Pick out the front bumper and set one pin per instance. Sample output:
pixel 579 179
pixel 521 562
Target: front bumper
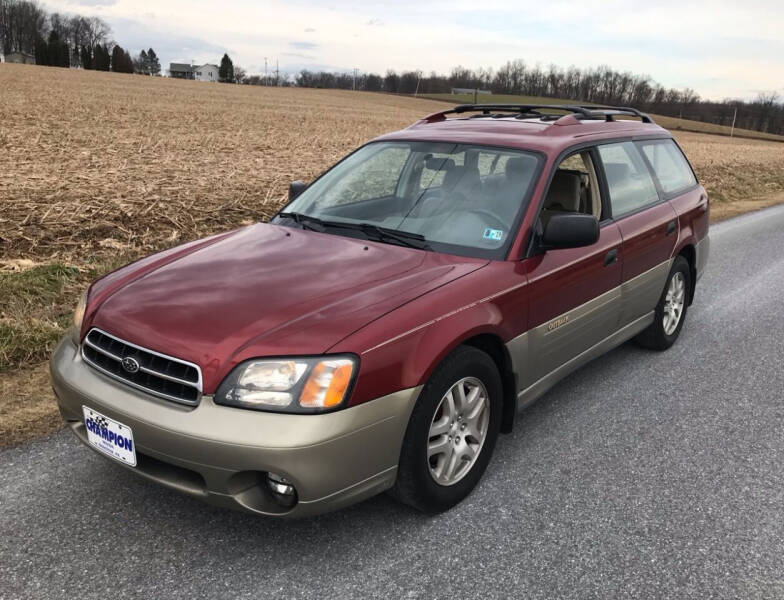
pixel 222 454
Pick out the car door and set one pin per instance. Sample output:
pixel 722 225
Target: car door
pixel 574 300
pixel 647 223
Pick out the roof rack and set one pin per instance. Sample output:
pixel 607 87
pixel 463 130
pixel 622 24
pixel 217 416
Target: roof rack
pixel 606 113
pixel 610 111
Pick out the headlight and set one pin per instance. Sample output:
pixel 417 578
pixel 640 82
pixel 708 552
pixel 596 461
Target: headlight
pixel 298 385
pixel 78 316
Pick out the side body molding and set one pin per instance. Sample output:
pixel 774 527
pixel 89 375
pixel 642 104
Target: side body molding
pixel 549 342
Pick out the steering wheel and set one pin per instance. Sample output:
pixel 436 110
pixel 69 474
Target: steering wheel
pixel 443 204
pixel 487 215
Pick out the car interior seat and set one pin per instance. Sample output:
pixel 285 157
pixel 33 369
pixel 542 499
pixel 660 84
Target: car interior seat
pixel 563 196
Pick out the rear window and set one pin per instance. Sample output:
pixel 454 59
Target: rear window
pixel 669 165
pixel 628 179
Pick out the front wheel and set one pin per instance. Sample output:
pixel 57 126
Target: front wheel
pixel 451 433
pixel 671 310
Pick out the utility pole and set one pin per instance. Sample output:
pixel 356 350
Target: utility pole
pixel 732 130
pixel 265 70
pixel 354 85
pixel 277 73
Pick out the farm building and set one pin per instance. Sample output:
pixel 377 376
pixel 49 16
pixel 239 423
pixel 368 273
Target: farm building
pixel 471 91
pixel 181 70
pixel 21 58
pixel 207 72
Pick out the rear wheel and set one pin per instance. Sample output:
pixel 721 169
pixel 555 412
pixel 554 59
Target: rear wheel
pixel 451 433
pixel 671 310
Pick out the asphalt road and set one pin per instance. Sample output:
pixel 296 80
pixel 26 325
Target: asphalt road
pixel 643 475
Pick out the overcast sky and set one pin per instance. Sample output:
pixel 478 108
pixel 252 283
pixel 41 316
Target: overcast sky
pixel 720 48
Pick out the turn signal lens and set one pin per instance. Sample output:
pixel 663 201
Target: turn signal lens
pixel 327 385
pixel 78 317
pixel 307 384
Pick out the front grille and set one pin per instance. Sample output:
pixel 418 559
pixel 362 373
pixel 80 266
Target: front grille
pixel 157 373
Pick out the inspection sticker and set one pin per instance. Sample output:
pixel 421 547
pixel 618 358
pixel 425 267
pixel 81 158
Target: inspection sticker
pixel 493 234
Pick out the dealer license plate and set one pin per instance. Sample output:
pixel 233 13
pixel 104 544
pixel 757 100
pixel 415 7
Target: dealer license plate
pixel 109 436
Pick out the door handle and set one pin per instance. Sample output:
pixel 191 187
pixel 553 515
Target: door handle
pixel 611 257
pixel 671 227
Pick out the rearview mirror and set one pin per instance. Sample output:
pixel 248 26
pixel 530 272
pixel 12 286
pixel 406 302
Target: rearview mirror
pixel 296 188
pixel 570 230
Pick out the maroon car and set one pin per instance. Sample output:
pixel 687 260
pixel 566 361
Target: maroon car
pixel 390 321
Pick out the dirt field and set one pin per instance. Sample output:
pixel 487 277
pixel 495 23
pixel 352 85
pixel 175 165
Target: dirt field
pixel 100 163
pixel 99 168
pixel 111 162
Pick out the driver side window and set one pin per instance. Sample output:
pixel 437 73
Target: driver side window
pixel 574 188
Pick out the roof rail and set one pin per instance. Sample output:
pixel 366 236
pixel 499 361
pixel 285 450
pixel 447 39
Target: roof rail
pixel 606 113
pixel 610 111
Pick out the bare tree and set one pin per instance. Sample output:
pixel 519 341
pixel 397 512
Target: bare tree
pixel 22 22
pixel 97 31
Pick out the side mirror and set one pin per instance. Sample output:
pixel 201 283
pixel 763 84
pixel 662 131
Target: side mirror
pixel 296 188
pixel 570 230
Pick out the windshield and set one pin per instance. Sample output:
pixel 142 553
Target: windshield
pixel 456 198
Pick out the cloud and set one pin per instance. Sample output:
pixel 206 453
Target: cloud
pixel 170 47
pixel 718 47
pixel 298 55
pixel 93 2
pixel 303 45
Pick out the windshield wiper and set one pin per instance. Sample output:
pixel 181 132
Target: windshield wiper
pixel 371 231
pixel 305 221
pixel 405 238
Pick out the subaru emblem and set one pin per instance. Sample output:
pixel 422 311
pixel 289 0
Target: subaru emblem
pixel 130 364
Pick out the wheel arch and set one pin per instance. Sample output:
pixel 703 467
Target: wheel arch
pixel 492 345
pixel 689 252
pixel 487 339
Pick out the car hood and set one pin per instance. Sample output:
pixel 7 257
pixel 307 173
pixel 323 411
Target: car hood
pixel 265 290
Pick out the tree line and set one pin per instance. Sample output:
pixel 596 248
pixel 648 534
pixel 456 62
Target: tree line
pixel 67 40
pixel 598 85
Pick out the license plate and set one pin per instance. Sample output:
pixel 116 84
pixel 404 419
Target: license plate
pixel 109 436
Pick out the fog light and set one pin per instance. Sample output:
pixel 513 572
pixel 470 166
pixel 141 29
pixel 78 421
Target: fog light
pixel 282 490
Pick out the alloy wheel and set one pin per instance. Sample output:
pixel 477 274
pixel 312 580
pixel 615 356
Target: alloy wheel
pixel 458 431
pixel 674 302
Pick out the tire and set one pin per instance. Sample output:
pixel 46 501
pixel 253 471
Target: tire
pixel 662 333
pixel 466 369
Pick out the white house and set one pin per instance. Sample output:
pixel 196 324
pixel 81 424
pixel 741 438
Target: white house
pixel 206 72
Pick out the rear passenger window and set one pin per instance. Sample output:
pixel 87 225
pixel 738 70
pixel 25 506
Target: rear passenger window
pixel 670 166
pixel 628 178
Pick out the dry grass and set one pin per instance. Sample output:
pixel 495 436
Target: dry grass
pixel 735 170
pixel 98 161
pixel 99 168
pixel 27 406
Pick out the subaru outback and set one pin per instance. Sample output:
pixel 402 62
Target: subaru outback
pixel 391 320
